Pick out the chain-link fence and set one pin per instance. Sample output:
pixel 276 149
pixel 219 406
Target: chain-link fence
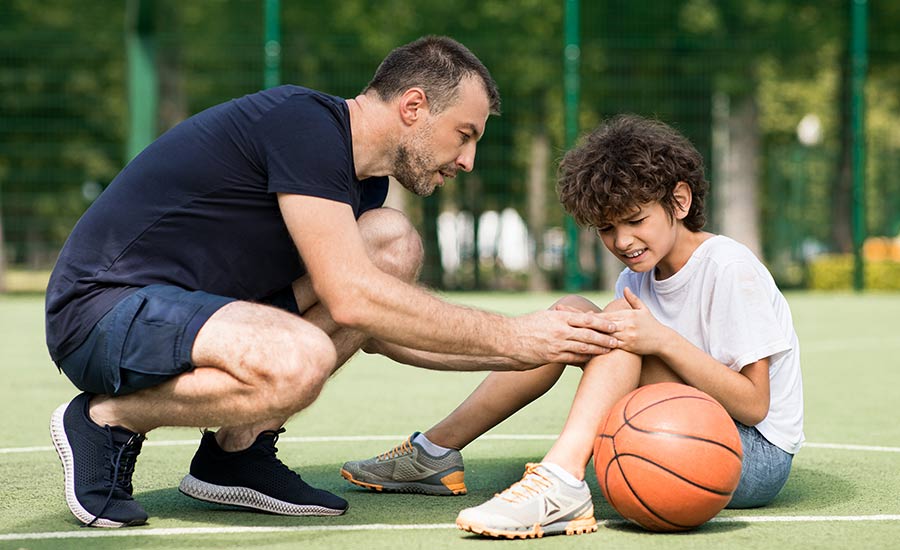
pixel 737 77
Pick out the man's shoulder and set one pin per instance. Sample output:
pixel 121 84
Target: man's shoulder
pixel 298 97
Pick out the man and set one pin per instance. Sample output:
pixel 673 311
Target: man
pixel 241 258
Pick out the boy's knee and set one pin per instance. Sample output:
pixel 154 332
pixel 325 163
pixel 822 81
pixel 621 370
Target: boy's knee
pixel 618 304
pixel 392 242
pixel 575 301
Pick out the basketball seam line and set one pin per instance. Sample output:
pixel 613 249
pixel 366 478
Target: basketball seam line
pixel 626 420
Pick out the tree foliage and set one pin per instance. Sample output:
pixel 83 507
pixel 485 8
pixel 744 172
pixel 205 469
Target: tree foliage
pixel 64 103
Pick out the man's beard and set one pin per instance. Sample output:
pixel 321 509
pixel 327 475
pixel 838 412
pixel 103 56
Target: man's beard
pixel 410 169
pixel 414 163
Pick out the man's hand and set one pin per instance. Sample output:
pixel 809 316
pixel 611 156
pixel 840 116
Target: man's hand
pixel 636 329
pixel 561 336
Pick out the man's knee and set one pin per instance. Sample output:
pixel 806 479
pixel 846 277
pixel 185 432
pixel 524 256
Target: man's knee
pixel 280 360
pixel 308 357
pixel 393 243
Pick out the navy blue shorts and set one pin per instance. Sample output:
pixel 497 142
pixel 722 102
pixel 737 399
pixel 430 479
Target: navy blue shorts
pixel 146 339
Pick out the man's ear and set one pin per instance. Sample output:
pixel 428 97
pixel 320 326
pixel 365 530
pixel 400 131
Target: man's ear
pixel 413 105
pixel 683 197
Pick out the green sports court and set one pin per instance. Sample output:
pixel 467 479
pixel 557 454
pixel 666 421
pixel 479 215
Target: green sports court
pixel 793 105
pixel 841 493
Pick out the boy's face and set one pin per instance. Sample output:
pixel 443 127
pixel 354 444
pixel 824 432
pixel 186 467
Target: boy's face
pixel 642 240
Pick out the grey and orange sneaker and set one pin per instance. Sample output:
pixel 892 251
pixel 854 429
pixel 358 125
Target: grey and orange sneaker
pixel 408 468
pixel 537 505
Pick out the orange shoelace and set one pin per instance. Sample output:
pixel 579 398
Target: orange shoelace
pixel 402 449
pixel 532 483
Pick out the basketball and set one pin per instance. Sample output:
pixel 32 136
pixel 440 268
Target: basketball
pixel 668 457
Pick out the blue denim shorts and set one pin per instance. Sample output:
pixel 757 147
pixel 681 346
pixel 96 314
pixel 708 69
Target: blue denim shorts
pixel 143 341
pixel 764 470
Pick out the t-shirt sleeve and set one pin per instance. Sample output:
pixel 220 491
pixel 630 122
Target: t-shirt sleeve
pixel 743 326
pixel 374 194
pixel 306 150
pixel 626 279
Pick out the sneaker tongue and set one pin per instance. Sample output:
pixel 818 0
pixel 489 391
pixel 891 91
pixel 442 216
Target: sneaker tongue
pixel 121 435
pixel 267 438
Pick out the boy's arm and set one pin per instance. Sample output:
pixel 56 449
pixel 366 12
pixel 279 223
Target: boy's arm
pixel 744 394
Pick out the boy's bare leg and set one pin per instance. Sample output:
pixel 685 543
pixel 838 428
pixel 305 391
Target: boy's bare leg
pixel 544 501
pixel 494 400
pixel 500 395
pixel 606 379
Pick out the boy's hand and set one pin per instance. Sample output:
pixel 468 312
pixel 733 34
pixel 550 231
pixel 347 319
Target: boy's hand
pixel 637 330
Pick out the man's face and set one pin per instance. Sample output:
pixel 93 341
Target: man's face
pixel 445 143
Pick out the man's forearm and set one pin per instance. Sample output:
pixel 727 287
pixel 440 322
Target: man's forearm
pixel 442 361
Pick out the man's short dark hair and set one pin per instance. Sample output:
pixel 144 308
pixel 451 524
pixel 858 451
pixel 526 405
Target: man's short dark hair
pixel 436 64
pixel 629 161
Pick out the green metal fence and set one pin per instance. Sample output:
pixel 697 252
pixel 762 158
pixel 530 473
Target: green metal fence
pixel 736 76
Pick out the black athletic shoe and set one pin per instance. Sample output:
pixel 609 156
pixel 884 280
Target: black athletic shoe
pixel 255 478
pixel 97 465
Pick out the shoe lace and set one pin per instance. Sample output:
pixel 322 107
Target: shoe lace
pixel 404 448
pixel 532 483
pixel 122 460
pixel 270 449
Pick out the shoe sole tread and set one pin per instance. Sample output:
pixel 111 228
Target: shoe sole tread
pixel 245 497
pixel 406 487
pixel 576 526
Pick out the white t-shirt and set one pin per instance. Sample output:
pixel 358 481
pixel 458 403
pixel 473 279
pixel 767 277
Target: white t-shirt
pixel 725 302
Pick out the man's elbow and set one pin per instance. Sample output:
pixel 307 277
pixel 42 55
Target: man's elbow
pixel 346 308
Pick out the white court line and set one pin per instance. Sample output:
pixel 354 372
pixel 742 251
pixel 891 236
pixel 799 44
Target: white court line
pixel 363 438
pixel 848 344
pixel 139 532
pixel 852 447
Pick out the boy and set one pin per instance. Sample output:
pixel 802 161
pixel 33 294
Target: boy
pixel 691 307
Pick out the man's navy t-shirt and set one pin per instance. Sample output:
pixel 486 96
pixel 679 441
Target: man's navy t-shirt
pixel 198 208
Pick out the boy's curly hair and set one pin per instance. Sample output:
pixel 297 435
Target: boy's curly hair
pixel 627 162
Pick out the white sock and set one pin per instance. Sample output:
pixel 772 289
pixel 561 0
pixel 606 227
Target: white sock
pixel 430 448
pixel 562 474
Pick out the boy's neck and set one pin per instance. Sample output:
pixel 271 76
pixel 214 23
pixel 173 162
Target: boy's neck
pixel 686 243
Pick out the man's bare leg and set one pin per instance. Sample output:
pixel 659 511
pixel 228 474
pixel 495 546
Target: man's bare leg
pixel 394 247
pixel 253 362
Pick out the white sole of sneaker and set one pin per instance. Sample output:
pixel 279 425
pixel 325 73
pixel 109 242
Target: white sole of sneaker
pixel 248 498
pixel 576 526
pixel 64 450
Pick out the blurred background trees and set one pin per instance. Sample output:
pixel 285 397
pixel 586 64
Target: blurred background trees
pixel 736 76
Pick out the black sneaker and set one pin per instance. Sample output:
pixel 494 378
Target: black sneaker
pixel 97 465
pixel 255 478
